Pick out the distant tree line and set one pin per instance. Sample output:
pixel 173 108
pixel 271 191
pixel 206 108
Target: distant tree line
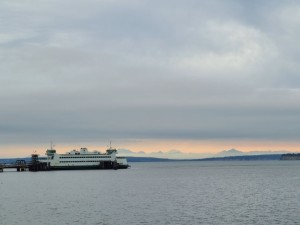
pixel 290 156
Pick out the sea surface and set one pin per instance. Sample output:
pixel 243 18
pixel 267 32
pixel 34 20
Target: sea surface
pixel 255 192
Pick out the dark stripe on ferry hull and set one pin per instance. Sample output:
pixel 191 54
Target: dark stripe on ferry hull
pixel 76 168
pixel 97 167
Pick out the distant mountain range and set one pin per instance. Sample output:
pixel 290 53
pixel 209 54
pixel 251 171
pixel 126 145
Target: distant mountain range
pixel 230 152
pixel 176 154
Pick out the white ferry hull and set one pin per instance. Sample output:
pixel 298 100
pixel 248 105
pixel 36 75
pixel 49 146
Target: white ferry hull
pixel 84 160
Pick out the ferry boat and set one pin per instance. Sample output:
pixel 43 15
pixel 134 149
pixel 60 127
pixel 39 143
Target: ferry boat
pixel 84 159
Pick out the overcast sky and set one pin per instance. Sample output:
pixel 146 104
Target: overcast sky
pixel 91 71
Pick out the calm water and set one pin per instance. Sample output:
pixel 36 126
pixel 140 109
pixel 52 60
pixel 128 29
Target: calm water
pixel 156 193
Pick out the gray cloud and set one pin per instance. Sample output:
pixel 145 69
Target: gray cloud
pixel 92 70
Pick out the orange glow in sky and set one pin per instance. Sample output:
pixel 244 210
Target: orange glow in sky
pixel 148 146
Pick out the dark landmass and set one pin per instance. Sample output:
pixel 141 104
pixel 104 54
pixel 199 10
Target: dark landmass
pixel 227 158
pixel 290 156
pixel 243 158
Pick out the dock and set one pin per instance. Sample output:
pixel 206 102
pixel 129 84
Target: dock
pixel 21 165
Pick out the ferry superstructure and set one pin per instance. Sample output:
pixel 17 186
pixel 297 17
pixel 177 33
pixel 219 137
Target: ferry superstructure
pixel 84 159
